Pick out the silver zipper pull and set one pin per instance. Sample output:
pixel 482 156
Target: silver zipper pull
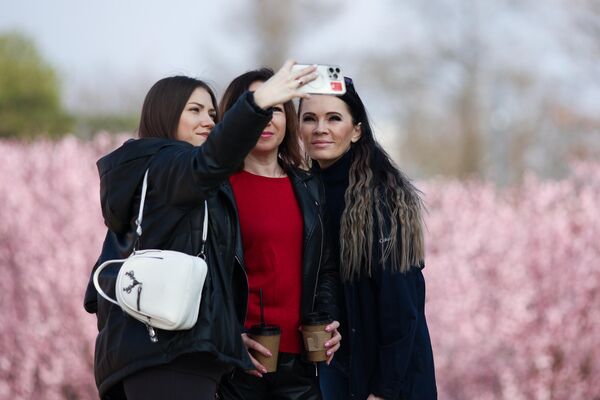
pixel 152 333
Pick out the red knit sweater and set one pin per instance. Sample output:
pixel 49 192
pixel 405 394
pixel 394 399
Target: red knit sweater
pixel 272 230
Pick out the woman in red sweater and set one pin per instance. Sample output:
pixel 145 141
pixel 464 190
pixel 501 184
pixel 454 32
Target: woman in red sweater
pixel 284 252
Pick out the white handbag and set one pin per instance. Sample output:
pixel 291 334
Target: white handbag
pixel 161 288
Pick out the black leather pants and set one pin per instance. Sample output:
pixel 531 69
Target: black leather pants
pixel 293 380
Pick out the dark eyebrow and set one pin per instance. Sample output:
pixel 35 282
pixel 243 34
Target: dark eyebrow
pixel 327 114
pixel 201 105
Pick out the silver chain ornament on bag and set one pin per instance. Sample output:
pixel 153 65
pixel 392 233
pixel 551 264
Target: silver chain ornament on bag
pixel 161 288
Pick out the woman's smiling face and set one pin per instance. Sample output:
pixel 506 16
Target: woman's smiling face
pixel 197 118
pixel 327 128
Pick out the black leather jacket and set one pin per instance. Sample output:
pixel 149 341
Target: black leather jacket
pixel 181 177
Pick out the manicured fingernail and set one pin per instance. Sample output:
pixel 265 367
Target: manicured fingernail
pixel 264 370
pixel 329 353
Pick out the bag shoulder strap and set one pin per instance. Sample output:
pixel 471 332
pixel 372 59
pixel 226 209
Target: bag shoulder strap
pixel 138 221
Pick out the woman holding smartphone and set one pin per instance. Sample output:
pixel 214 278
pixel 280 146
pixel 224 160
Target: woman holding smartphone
pixel 188 158
pixel 284 252
pixel 376 215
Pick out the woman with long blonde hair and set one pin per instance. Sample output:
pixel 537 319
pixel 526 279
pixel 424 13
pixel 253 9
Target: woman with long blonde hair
pixel 375 218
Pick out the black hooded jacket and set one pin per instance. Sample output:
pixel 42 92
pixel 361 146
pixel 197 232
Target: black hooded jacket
pixel 180 178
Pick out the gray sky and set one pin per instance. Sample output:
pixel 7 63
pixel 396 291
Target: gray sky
pixel 85 36
pixel 98 45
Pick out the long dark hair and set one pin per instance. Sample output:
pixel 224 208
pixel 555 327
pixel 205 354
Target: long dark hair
pixel 289 153
pixel 164 104
pixel 379 198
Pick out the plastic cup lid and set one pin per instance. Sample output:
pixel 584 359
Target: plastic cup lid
pixel 264 330
pixel 316 318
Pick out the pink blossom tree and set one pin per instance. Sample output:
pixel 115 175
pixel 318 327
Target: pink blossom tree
pixel 51 232
pixel 514 287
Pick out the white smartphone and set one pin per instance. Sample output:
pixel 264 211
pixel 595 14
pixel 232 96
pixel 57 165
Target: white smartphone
pixel 330 80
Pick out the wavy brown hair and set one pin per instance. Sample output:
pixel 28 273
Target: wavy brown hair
pixel 289 153
pixel 382 206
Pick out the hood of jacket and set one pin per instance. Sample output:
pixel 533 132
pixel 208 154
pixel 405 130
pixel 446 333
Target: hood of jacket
pixel 121 174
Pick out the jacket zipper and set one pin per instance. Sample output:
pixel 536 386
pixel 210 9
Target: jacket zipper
pixel 247 286
pixel 229 197
pixel 312 308
pixel 320 257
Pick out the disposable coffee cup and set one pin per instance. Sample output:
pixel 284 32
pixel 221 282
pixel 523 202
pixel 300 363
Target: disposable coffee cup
pixel 268 336
pixel 315 336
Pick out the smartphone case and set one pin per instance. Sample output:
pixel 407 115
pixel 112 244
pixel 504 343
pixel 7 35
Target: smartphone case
pixel 330 80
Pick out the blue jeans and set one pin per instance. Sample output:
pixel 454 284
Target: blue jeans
pixel 334 383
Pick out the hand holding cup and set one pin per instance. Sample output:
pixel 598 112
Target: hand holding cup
pixel 262 342
pixel 333 344
pixel 320 335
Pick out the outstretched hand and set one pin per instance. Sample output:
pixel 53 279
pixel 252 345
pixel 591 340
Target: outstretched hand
pixel 284 85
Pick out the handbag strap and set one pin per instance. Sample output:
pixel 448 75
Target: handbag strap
pixel 138 221
pixel 97 275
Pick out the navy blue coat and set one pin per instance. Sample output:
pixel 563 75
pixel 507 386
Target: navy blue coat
pixel 390 348
pixel 385 347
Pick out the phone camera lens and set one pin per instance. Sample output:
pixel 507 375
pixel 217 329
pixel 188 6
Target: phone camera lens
pixel 330 69
pixel 337 70
pixel 335 76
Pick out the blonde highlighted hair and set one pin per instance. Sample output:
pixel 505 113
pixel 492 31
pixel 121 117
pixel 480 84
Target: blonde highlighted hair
pixel 384 209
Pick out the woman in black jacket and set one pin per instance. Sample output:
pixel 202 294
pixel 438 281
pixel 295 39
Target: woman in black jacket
pixel 280 211
pixel 188 158
pixel 376 214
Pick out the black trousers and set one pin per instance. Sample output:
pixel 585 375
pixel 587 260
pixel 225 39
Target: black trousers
pixel 163 384
pixel 293 380
pixel 190 377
